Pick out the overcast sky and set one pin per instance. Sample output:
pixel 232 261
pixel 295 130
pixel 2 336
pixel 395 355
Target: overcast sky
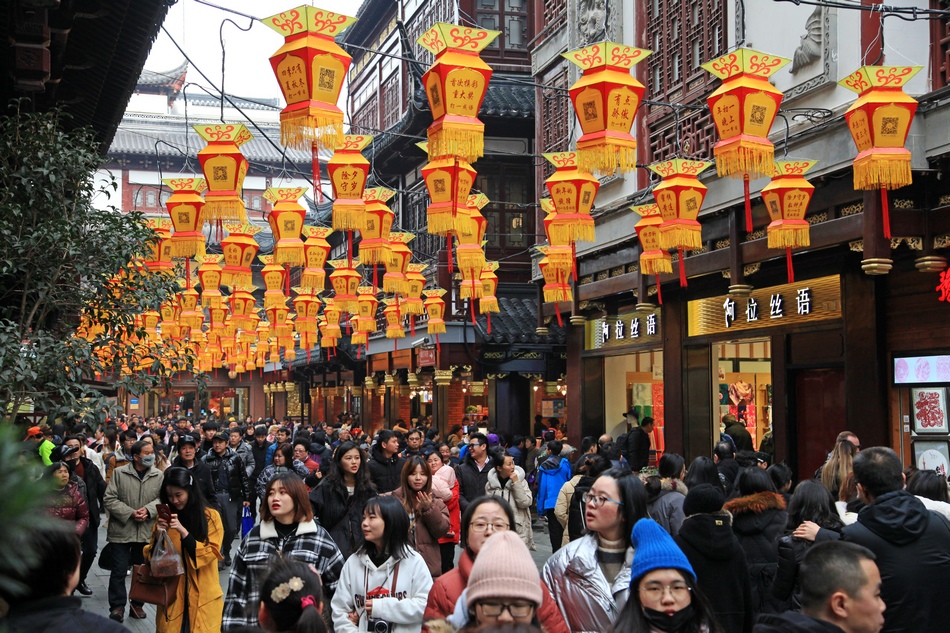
pixel 195 27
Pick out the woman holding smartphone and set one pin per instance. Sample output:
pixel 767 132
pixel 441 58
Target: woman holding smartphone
pixel 196 532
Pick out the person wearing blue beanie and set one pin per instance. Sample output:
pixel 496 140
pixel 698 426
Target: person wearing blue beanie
pixel 663 591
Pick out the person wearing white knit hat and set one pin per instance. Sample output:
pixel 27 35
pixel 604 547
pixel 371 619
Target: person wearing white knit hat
pixel 504 585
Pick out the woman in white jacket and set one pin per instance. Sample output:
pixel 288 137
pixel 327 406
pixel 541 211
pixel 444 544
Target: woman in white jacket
pixel 508 481
pixel 385 580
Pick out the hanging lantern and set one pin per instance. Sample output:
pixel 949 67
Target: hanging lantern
pixel 455 86
pixel 239 249
pixel 449 181
pixel 393 314
pixel 169 311
pixel 243 305
pixel 184 208
pixel 654 259
pixel 743 108
pixel 316 250
pixel 435 309
pixel 366 309
pixel 413 304
pixel 275 278
pixel 310 68
pixel 217 318
pixel 160 259
pixel 605 100
pixel 572 191
pixel 394 281
pixel 786 198
pixel 679 197
pixel 345 279
pixel 280 323
pixel 470 231
pixel 348 171
pixel 556 288
pixel 209 276
pixel 377 223
pixel 489 282
pixel 190 316
pixel 224 168
pixel 332 313
pixel 286 222
pixel 879 122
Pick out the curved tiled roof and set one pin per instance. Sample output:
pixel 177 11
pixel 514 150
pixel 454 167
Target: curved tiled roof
pixel 173 78
pixel 517 324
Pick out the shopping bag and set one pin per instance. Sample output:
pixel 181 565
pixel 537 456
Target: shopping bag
pixel 247 522
pixel 166 561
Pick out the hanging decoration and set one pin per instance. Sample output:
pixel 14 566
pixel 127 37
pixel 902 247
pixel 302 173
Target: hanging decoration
pixel 744 108
pixel 605 100
pixel 315 250
pixel 679 197
pixel 394 316
pixel 209 276
pixel 244 305
pixel 654 259
pixel 556 288
pixel 786 199
pixel 366 310
pixel 449 181
pixel 348 170
pixel 470 231
pixel 275 279
pixel 224 168
pixel 286 223
pixel 307 308
pixel 377 224
pixel 413 304
pixel 190 316
pixel 488 302
pixel 879 122
pixel 310 68
pixel 394 281
pixel 345 279
pixel 184 208
pixel 239 249
pixel 455 86
pixel 160 258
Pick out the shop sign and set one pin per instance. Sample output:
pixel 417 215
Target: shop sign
pixel 426 357
pixel 921 370
pixel 805 302
pixel 623 330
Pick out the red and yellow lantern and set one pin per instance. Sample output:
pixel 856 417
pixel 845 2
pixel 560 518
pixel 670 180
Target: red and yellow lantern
pixel 332 313
pixel 470 231
pixel 160 259
pixel 348 170
pixel 394 281
pixel 572 191
pixel 224 168
pixel 413 303
pixel 316 250
pixel 239 249
pixel 190 316
pixel 556 287
pixel 209 275
pixel 286 223
pixel 345 279
pixel 786 198
pixel 679 197
pixel 435 310
pixel 367 304
pixel 377 223
pixel 879 122
pixel 489 282
pixel 654 259
pixel 455 86
pixel 184 208
pixel 310 68
pixel 275 279
pixel 394 316
pixel 243 306
pixel 744 108
pixel 605 99
pixel 449 181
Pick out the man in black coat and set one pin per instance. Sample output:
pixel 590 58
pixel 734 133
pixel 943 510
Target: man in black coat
pixel 93 487
pixel 188 459
pixel 726 464
pixel 473 471
pixel 259 450
pixel 911 544
pixel 737 431
pixel 638 445
pixel 385 464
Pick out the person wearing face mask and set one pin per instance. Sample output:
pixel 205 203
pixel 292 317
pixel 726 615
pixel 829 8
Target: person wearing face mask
pixel 131 499
pixel 93 487
pixel 66 501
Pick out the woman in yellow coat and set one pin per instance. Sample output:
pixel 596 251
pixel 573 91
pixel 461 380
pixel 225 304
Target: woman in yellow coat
pixel 196 531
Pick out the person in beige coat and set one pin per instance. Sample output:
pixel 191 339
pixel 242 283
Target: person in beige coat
pixel 508 481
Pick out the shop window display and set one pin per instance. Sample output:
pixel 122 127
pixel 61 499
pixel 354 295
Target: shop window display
pixel 745 384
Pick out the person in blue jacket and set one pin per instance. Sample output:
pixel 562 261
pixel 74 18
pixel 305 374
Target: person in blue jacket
pixel 553 473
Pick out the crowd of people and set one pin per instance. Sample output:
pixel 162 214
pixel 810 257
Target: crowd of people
pixel 326 528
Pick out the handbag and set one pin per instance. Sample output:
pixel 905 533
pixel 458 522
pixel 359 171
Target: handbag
pixel 247 522
pixel 105 557
pixel 148 588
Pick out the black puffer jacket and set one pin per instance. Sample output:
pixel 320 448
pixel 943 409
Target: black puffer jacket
pixel 721 571
pixel 94 488
pixel 758 520
pixel 471 481
pixel 339 514
pixel 62 613
pixel 912 545
pixel 791 551
pixel 385 472
pixel 228 474
pixel 794 623
pixel 202 475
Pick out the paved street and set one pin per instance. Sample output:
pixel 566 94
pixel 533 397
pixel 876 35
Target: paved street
pixel 98 581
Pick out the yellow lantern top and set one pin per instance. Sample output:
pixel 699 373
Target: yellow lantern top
pixel 235 133
pixel 443 36
pixel 377 194
pixel 305 19
pixel 239 228
pixel 867 77
pixel 343 263
pixel 284 194
pixel 562 159
pixel 478 201
pixel 745 61
pixel 417 268
pixel 197 185
pixel 401 238
pixel 680 167
pixel 606 54
pixel 159 225
pixel 646 210
pixel 354 142
pixel 435 293
pixel 792 167
pixel 317 232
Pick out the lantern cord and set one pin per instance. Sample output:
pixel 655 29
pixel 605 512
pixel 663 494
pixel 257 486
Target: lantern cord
pixel 748 203
pixel 886 214
pixel 788 264
pixel 659 290
pixel 438 348
pixel 188 273
pixel 223 52
pixel 489 323
pixel 448 247
pixel 349 249
pixel 679 251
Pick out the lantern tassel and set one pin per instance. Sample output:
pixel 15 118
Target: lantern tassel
pixel 886 213
pixel 438 348
pixel 412 325
pixel 489 323
pixel 349 249
pixel 188 273
pixel 679 252
pixel 471 310
pixel 314 162
pixel 448 243
pixel 659 290
pixel 748 203
pixel 788 264
pixel 287 280
pixel 557 311
pixel 574 260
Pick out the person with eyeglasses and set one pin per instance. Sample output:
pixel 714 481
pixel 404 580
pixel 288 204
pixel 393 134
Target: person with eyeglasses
pixel 484 517
pixel 590 577
pixel 663 591
pixel 473 471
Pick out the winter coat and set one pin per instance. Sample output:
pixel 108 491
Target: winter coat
pixel 260 454
pixel 59 613
pixel 758 520
pixel 426 530
pixel 728 471
pixel 912 545
pixel 229 474
pixel 69 504
pixel 270 471
pixel 740 436
pixel 116 459
pixel 637 444
pixel 310 544
pixel 95 488
pixel 714 552
pixel 472 481
pixel 793 623
pixel 518 496
pixel 404 594
pixel 386 472
pixel 588 603
pixel 125 494
pixel 443 480
pixel 202 476
pixel 786 589
pixel 562 509
pixel 667 507
pixel 244 451
pixel 447 588
pixel 205 598
pixel 455 512
pixel 553 473
pixel 340 514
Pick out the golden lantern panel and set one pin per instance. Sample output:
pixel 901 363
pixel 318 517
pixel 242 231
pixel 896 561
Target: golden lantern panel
pixel 377 224
pixel 286 222
pixel 449 181
pixel 572 190
pixel 316 250
pixel 239 249
pixel 345 280
pixel 786 198
pixel 224 168
pixel 654 259
pixel 679 197
pixel 184 209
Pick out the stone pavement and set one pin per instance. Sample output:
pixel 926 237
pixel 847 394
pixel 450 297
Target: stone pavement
pixel 98 581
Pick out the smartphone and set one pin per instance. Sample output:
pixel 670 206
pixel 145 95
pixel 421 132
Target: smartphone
pixel 164 512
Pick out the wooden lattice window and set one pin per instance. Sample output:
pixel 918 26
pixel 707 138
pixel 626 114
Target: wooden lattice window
pixel 425 245
pixel 684 34
pixel 940 45
pixel 555 14
pixel 555 118
pixel 366 121
pixel 391 101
